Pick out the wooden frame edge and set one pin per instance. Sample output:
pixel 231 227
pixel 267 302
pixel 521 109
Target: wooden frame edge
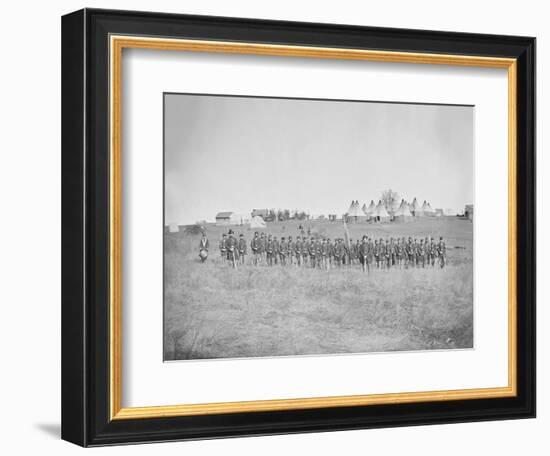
pixel 120 42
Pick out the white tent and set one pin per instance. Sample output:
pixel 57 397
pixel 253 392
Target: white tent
pixel 403 214
pixel 426 210
pixel 355 213
pixel 173 228
pixel 369 211
pixel 380 213
pixel 257 222
pixel 414 207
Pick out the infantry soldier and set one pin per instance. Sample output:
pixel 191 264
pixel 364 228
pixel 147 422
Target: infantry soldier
pixel 388 254
pixel 242 249
pixel 231 245
pixel 298 246
pixel 290 250
pixel 330 253
pixel 339 252
pixel 363 253
pixel 223 247
pixel 275 250
pixel 305 250
pixel 393 250
pixel 355 250
pixel 376 253
pixel 255 246
pixel 269 250
pixel 263 249
pixel 312 250
pixel 283 251
pixel 422 253
pixel 415 252
pixel 382 253
pixel 432 253
pixel 322 252
pixel 442 252
pixel 410 253
pixel 399 253
pixel 204 245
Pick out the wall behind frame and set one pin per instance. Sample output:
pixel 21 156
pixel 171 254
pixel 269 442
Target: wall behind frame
pixel 30 228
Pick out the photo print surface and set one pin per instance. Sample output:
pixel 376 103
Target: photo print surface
pixel 298 227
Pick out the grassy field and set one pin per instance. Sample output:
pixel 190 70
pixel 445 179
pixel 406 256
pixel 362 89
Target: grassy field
pixel 213 311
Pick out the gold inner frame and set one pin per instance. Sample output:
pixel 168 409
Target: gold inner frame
pixel 117 44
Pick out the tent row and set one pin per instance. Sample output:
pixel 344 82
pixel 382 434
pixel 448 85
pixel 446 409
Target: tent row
pixel 398 212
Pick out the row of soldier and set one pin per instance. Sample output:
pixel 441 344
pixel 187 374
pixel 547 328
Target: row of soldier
pixel 324 253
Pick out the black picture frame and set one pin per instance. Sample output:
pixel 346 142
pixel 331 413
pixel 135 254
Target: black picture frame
pixel 85 228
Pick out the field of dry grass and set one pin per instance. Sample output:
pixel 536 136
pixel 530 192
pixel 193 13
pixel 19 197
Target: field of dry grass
pixel 213 311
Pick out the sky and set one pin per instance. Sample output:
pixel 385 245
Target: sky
pixel 235 154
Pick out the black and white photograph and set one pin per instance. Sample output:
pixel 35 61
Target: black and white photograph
pixel 297 227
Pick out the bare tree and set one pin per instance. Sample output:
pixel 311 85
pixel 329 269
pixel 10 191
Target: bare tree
pixel 389 198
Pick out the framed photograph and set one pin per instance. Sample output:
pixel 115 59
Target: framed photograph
pixel 277 227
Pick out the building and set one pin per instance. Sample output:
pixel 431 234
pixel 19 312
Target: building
pixel 223 218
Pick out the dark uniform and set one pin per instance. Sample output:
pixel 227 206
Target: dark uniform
pixel 283 251
pixel 312 251
pixel 270 250
pixel 290 250
pixel 421 254
pixel 442 252
pixel 223 247
pixel 256 246
pixel 387 254
pixel 242 249
pixel 432 253
pixel 338 252
pixel 410 253
pixel 263 249
pixel 363 253
pixel 232 253
pixel 298 247
pixel 276 250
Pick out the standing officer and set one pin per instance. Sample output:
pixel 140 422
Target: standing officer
pixel 242 249
pixel 231 245
pixel 283 251
pixel 290 251
pixel 204 245
pixel 388 254
pixel 363 252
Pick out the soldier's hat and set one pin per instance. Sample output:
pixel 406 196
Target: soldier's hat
pixel 255 233
pixel 241 235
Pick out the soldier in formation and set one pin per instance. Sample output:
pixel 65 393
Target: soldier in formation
pixel 318 252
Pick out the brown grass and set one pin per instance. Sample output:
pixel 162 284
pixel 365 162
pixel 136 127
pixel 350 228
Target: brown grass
pixel 212 311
